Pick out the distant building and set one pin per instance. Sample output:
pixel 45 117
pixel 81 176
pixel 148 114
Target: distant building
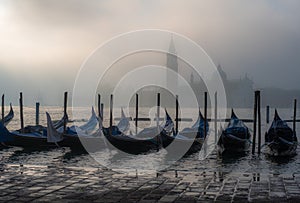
pixel 239 92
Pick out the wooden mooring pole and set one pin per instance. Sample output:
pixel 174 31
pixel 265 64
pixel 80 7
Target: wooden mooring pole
pixel 65 110
pixel 259 122
pixel 102 112
pixel 2 117
pixel 294 117
pixel 21 112
pixel 158 140
pixel 158 109
pixel 177 112
pixel 136 112
pixel 37 113
pixel 111 113
pixel 216 117
pixel 205 114
pixel 254 123
pixel 99 106
pixel 268 114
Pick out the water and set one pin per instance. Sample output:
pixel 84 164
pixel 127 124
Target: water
pixel 225 165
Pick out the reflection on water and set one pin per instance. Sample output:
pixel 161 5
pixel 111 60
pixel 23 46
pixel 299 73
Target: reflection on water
pixel 281 161
pixel 229 158
pixel 221 165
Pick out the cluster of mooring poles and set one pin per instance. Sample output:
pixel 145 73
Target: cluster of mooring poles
pixel 256 115
pixel 37 111
pixel 157 119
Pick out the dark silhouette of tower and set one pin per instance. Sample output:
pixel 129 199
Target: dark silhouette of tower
pixel 168 99
pixel 172 63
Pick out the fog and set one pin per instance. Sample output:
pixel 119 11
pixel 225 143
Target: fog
pixel 44 43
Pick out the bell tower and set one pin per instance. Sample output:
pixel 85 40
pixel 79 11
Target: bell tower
pixel 172 63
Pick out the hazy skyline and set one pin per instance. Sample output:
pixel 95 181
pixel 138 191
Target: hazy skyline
pixel 44 43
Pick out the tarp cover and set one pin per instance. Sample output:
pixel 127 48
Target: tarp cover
pixel 52 135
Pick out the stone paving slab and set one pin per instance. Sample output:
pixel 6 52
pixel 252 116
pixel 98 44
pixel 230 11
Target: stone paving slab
pixel 54 184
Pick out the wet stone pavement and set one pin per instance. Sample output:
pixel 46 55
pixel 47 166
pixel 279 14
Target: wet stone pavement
pixel 72 184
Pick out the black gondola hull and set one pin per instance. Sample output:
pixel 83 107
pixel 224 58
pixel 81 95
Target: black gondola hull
pixel 131 145
pixel 231 143
pixel 281 148
pixel 30 142
pixel 40 142
pixel 85 144
pixel 280 139
pixel 136 145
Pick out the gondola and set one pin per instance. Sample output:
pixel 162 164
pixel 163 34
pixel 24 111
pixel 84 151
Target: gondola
pixel 235 138
pixel 197 130
pixel 8 117
pixel 194 134
pixel 78 138
pixel 4 136
pixel 88 128
pixel 78 141
pixel 115 138
pixel 180 143
pixel 149 132
pixel 149 139
pixel 158 138
pixel 34 137
pixel 189 140
pixel 4 133
pixel 132 145
pixel 280 140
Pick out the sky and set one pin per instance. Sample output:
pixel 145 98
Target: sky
pixel 44 43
